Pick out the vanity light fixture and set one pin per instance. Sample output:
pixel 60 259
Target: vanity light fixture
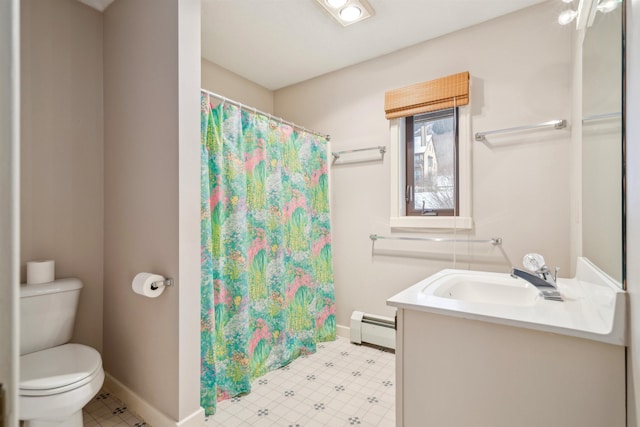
pixel 567 17
pixel 586 11
pixel 348 12
pixel 606 6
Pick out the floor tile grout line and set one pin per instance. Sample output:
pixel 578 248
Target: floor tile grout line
pixel 314 399
pixel 320 389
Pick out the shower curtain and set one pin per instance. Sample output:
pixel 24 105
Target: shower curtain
pixel 267 277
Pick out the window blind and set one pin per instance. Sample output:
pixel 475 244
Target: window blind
pixel 427 96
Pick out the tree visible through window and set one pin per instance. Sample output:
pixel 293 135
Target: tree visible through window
pixel 432 164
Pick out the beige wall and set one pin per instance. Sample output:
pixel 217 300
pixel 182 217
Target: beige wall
pixel 9 206
pixel 223 82
pixel 62 149
pixel 189 209
pixel 141 196
pixel 633 210
pixel 521 70
pixel 152 345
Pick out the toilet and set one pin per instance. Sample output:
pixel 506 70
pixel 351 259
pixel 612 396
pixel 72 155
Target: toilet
pixel 57 378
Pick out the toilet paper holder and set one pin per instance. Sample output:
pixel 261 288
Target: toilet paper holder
pixel 165 282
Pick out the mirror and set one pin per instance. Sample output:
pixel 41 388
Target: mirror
pixel 602 144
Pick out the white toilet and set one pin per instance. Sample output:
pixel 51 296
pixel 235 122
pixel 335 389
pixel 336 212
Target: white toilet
pixel 56 379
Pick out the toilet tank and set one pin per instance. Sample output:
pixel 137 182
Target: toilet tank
pixel 47 313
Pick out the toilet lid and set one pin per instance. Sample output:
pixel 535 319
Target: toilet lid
pixel 57 368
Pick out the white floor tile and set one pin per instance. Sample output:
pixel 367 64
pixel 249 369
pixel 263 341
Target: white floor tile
pixel 105 410
pixel 341 385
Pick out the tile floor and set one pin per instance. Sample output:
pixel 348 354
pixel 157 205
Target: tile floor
pixel 342 384
pixel 106 410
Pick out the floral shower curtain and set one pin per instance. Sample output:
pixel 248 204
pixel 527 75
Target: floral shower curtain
pixel 267 277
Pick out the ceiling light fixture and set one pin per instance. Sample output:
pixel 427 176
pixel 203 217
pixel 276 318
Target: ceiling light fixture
pixel 336 4
pixel 348 12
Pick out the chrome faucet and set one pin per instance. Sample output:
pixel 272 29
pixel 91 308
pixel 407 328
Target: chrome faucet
pixel 540 276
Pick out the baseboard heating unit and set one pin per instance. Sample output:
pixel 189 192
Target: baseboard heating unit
pixel 373 329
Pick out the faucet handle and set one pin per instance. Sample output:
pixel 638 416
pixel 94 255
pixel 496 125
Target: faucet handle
pixel 555 275
pixel 533 262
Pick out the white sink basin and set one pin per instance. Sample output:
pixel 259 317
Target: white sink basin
pixel 593 307
pixel 485 290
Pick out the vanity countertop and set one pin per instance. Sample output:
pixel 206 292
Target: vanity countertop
pixel 593 307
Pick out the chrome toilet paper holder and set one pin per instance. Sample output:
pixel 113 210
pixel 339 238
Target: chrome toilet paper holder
pixel 165 282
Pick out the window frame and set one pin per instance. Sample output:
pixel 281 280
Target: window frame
pixel 397 154
pixel 410 185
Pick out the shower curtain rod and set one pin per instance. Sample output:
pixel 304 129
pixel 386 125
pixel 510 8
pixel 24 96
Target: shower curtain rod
pixel 270 116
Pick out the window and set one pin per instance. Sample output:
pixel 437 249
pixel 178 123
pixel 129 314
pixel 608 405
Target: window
pixel 427 164
pixel 431 168
pixel 430 154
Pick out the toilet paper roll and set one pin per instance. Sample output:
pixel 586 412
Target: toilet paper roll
pixel 142 284
pixel 43 271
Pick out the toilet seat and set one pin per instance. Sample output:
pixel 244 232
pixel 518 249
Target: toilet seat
pixel 58 369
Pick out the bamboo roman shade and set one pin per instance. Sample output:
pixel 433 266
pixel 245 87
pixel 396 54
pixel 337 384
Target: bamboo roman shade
pixel 428 96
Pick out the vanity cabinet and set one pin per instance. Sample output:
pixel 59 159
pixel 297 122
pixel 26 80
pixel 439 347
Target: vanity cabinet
pixel 460 372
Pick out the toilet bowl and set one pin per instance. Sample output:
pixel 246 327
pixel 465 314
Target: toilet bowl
pixel 57 378
pixel 56 383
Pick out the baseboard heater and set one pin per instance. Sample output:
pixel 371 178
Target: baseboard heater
pixel 373 329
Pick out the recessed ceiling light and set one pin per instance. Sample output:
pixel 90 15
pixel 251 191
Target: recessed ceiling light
pixel 336 3
pixel 350 13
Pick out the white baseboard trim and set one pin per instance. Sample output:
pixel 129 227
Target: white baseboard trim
pixel 343 331
pixel 194 420
pixel 148 412
pixel 156 418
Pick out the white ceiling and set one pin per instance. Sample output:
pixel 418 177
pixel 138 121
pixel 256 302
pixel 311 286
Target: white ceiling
pixel 100 5
pixel 277 43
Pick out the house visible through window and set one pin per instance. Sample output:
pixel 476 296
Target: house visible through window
pixel 432 164
pixel 430 154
